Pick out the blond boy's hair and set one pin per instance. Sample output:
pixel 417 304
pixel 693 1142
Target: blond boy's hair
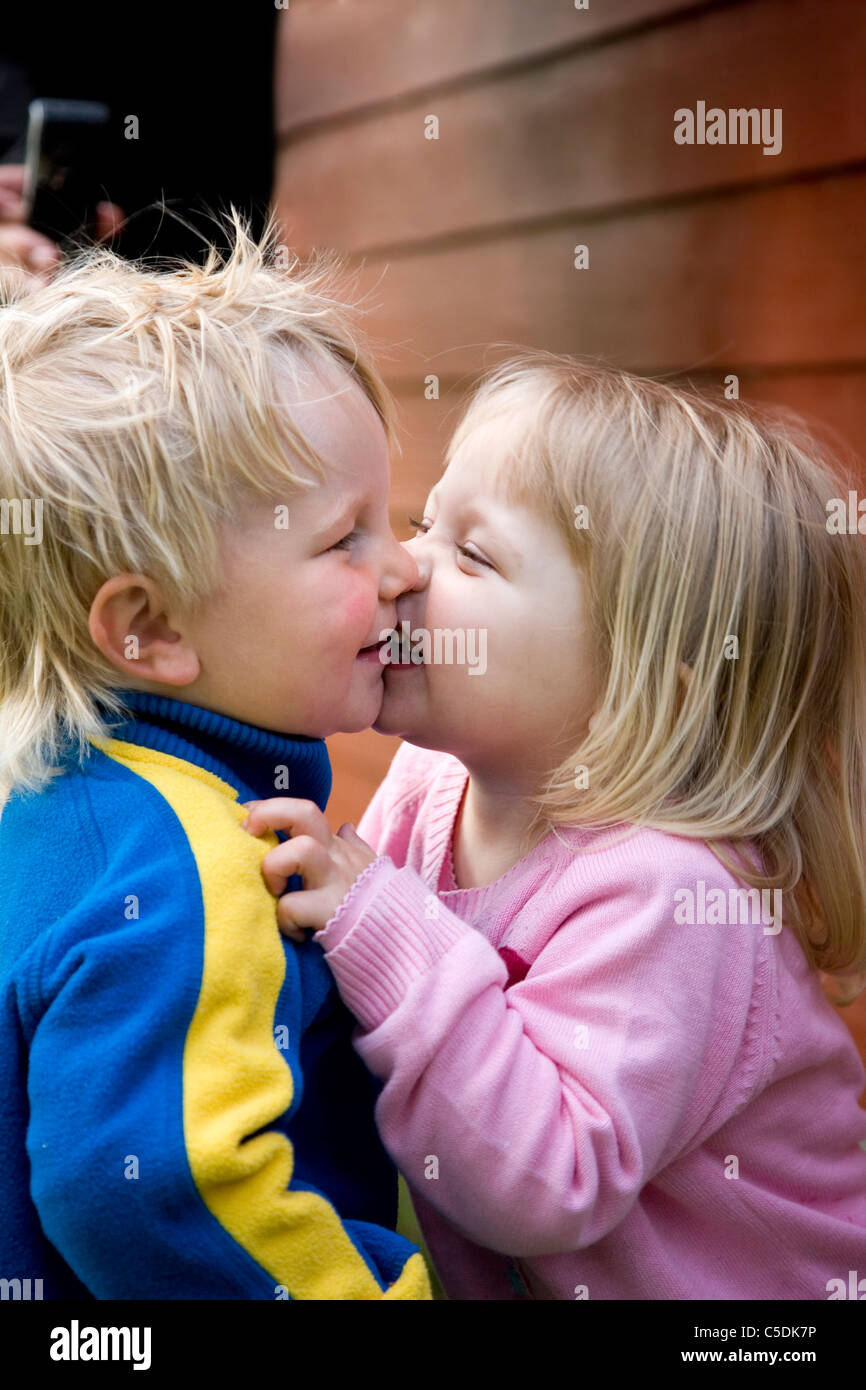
pixel 138 405
pixel 704 522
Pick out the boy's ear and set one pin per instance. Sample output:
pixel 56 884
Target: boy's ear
pixel 130 624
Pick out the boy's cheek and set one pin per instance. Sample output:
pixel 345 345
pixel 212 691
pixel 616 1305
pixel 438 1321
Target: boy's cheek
pixel 356 611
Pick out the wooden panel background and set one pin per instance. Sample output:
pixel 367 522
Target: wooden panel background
pixel 556 130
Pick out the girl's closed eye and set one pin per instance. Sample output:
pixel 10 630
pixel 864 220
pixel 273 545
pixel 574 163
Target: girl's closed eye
pixel 421 529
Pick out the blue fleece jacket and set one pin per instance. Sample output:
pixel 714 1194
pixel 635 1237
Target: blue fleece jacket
pixel 183 1115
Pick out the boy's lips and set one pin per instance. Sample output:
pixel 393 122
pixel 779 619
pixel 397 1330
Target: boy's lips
pixel 374 654
pixel 371 653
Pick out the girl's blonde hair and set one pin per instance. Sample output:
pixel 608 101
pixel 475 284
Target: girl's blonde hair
pixel 731 624
pixel 138 405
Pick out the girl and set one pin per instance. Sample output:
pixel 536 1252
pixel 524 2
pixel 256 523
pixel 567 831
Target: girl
pixel 608 876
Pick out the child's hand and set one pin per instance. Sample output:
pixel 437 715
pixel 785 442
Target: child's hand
pixel 328 863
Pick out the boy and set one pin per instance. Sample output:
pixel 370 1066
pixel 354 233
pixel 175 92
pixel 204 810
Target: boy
pixel 184 1116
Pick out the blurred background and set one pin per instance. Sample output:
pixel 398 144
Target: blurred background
pixel 461 150
pixel 497 172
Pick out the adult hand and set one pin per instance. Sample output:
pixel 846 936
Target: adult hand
pixel 35 255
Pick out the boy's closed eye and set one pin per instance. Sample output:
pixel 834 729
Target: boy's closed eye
pixel 345 542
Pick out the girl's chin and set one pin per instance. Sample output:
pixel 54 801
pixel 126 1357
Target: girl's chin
pixel 390 720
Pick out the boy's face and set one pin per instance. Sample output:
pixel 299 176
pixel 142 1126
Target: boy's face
pixel 281 644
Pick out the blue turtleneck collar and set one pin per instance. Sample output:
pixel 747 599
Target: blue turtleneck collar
pixel 244 756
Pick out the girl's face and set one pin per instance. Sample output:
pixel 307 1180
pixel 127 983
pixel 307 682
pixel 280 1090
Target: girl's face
pixel 506 577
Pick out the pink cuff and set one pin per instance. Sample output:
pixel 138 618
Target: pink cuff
pixel 399 934
pixel 366 885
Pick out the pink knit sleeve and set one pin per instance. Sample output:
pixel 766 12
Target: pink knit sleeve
pixel 532 1116
pixel 377 827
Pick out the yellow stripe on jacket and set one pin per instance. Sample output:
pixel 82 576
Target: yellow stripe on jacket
pixel 235 1081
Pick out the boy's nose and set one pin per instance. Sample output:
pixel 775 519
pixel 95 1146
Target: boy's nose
pixel 402 572
pixel 420 565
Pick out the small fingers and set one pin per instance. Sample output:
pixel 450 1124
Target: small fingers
pixel 301 855
pixel 296 911
pixel 288 813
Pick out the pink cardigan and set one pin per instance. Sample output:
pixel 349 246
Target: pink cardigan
pixel 588 1097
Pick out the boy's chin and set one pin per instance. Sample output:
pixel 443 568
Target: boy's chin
pixel 360 714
